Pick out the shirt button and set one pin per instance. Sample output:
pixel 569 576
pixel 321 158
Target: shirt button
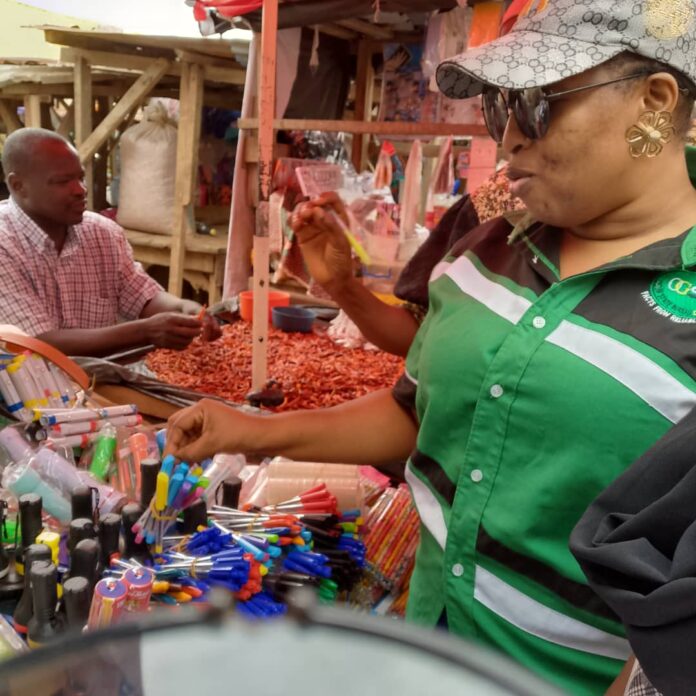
pixel 538 322
pixel 457 570
pixel 497 391
pixel 477 475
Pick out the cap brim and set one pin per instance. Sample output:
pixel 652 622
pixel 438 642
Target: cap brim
pixel 520 60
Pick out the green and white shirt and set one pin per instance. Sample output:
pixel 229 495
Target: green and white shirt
pixel 532 395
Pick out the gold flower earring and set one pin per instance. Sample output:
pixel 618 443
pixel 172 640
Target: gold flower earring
pixel 650 135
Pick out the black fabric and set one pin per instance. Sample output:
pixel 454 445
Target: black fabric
pixel 637 545
pixel 575 593
pixel 460 219
pixel 404 393
pixel 321 92
pixel 613 303
pixel 435 474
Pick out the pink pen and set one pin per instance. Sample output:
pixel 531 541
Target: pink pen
pixel 193 496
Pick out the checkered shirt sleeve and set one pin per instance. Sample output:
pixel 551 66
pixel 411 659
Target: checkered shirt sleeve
pixel 639 685
pixel 137 288
pixel 20 303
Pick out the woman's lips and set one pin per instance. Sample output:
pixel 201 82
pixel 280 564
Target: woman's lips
pixel 518 186
pixel 519 180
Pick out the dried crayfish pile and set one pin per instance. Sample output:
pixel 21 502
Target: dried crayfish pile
pixel 312 370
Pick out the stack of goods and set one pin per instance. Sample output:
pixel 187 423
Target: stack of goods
pixel 79 427
pixel 168 548
pixel 261 554
pixel 390 546
pixel 313 371
pixel 127 530
pixel 29 382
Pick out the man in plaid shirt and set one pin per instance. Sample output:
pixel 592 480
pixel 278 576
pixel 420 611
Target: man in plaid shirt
pixel 68 276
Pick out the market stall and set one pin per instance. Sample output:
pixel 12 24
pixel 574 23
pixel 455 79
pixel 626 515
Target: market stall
pixel 258 530
pixel 162 532
pixel 136 68
pixel 369 32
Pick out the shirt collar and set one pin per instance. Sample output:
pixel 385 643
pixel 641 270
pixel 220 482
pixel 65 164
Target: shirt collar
pixel 668 254
pixel 37 236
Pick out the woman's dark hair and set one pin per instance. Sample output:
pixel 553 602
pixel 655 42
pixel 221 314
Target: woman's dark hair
pixel 628 62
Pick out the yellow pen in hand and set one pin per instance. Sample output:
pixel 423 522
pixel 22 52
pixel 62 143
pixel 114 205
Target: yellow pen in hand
pixel 357 247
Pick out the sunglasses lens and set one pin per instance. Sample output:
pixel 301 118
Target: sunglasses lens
pixel 495 113
pixel 532 113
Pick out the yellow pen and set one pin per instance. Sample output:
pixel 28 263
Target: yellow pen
pixel 161 491
pixel 357 247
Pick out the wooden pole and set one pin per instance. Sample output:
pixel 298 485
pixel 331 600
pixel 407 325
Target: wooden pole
pixel 364 87
pixel 134 97
pixel 101 160
pixel 84 106
pixel 32 111
pixel 188 141
pixel 8 113
pixel 267 99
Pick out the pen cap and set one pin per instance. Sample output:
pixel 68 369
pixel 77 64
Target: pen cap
pixel 44 589
pixel 77 597
pixel 109 535
pixel 30 507
pixel 231 488
pixel 81 502
pixel 16 446
pixel 84 560
pixel 129 516
pixel 4 561
pixel 195 516
pixel 149 468
pixel 79 529
pixel 24 609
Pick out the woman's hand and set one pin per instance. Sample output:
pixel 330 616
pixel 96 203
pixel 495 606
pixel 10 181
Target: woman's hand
pixel 206 429
pixel 324 246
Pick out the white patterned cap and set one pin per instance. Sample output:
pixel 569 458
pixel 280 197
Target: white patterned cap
pixel 556 39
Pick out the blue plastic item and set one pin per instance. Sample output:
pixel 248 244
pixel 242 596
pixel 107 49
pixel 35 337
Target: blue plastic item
pixel 291 319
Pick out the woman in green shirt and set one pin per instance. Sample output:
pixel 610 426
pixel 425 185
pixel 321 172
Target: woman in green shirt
pixel 554 352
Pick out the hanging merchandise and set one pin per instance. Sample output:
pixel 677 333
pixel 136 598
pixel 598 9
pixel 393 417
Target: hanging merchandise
pixel 383 171
pixel 225 8
pixel 405 92
pixel 443 178
pixel 485 24
pixel 448 35
pixel 410 200
pixel 321 79
pixel 148 169
pixel 441 191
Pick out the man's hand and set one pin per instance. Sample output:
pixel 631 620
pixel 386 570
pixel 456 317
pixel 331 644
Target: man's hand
pixel 206 429
pixel 211 328
pixel 172 330
pixel 324 246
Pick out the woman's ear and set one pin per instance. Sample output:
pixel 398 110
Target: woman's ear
pixel 660 93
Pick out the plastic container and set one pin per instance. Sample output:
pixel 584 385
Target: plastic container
pixel 290 319
pixel 276 298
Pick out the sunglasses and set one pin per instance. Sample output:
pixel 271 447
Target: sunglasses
pixel 531 107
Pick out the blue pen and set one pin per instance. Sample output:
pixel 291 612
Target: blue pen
pixel 168 464
pixel 176 482
pixel 161 437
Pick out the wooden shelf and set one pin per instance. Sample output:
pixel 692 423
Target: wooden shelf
pixel 369 127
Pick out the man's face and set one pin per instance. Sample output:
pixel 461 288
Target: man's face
pixel 50 185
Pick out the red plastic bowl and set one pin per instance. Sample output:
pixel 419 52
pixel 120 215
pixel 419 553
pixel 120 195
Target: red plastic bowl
pixel 276 298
